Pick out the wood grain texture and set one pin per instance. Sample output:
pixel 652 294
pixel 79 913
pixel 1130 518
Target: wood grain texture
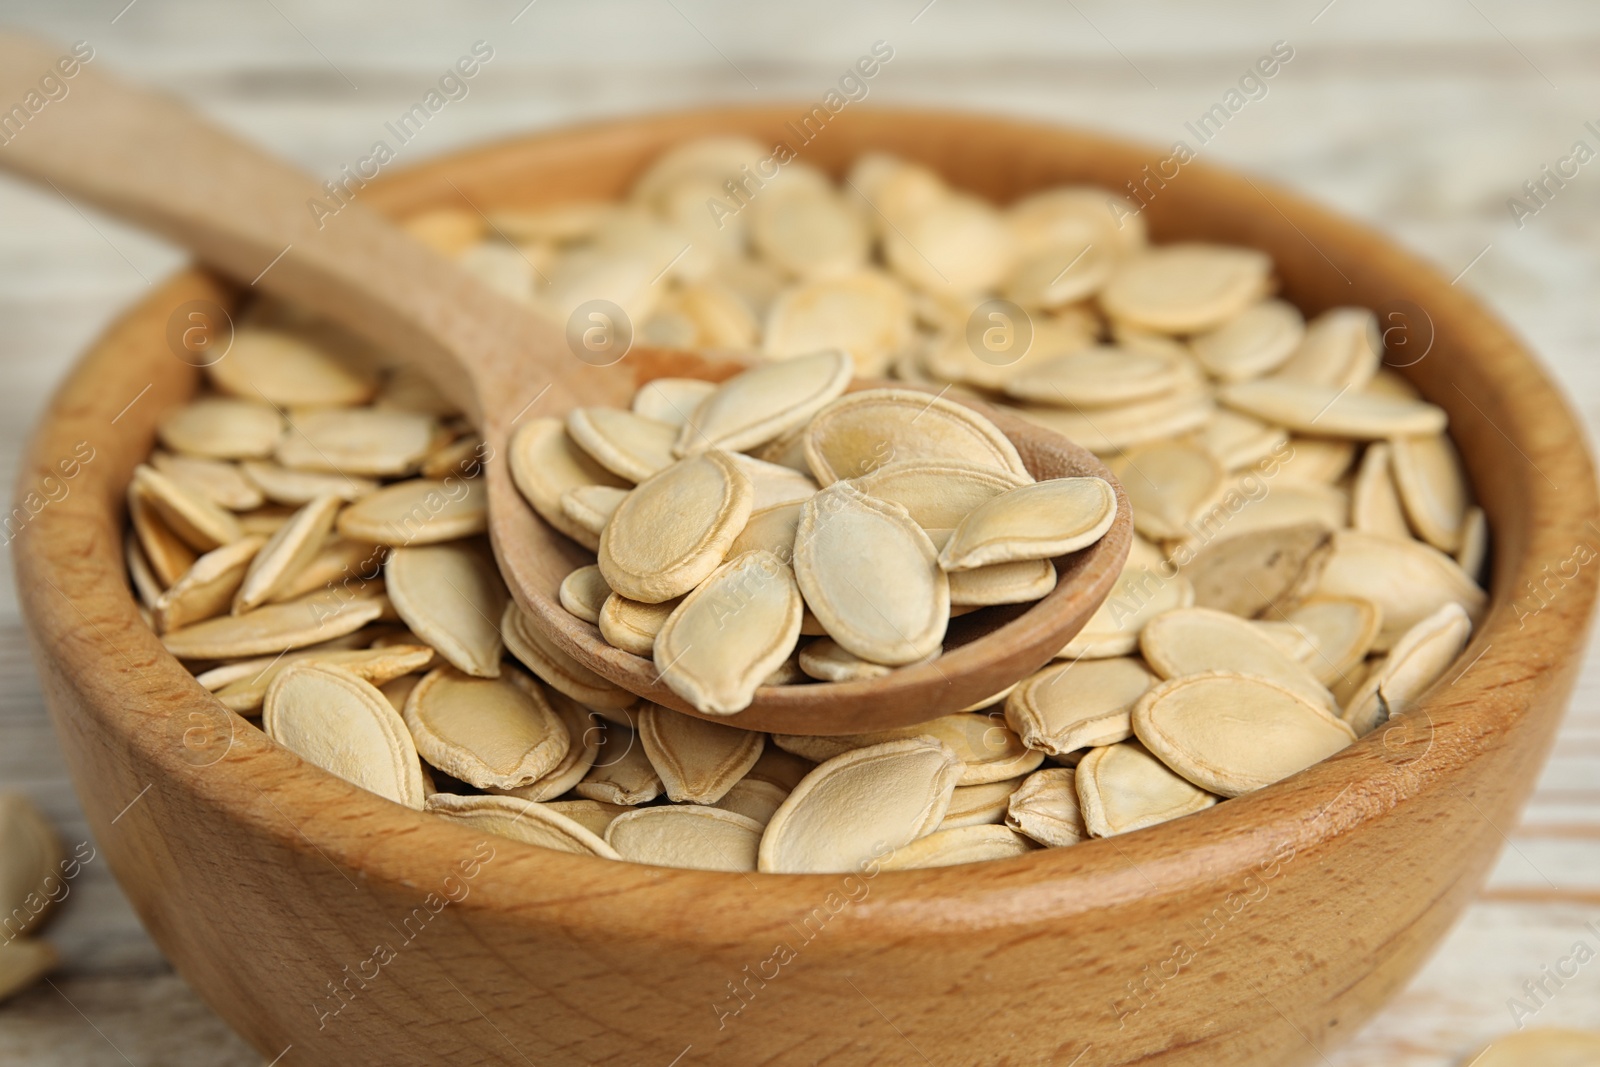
pixel 579 961
pixel 248 216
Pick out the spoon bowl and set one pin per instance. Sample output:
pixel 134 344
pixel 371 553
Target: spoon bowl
pixel 266 224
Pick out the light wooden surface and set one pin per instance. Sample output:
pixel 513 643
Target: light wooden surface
pixel 1424 127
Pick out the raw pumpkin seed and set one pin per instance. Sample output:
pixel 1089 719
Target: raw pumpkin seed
pixel 1038 521
pixel 1194 640
pixel 860 432
pixel 1082 704
pixel 584 592
pixel 286 553
pixel 628 445
pixel 766 401
pixel 545 463
pixel 688 835
pixel 420 511
pixel 521 820
pixel 498 733
pixel 535 651
pixel 962 844
pixel 675 528
pixel 453 598
pixel 697 761
pixel 221 428
pixel 1123 787
pixel 362 441
pixel 1417 660
pixel 1045 808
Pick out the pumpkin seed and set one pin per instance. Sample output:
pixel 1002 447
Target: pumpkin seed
pixel 592 815
pixel 1019 582
pixel 1238 440
pixel 584 592
pixel 331 718
pixel 1417 660
pixel 1252 343
pixel 717 668
pixel 1406 580
pixel 938 494
pixel 1474 550
pixel 1341 349
pixel 221 428
pixel 697 761
pixel 273 628
pixel 1232 733
pixel 30 856
pixel 1433 488
pixel 542 825
pixel 420 511
pixel 583 745
pixel 628 445
pixel 962 844
pixel 198 522
pixel 1185 288
pixel 489 732
pixel 295 487
pixel 205 589
pixel 1107 430
pixel 675 528
pixel 1168 484
pixel 885 795
pixel 765 402
pixel 452 598
pixel 357 441
pixel 286 553
pixel 865 313
pixel 1038 521
pixel 690 835
pixel 1100 376
pixel 1060 274
pixel 871 577
pixel 535 651
pixel 545 463
pixel 591 506
pixel 824 660
pixel 1084 704
pixel 1334 634
pixel 860 432
pixel 621 773
pixel 1045 808
pixel 1375 506
pixel 218 481
pixel 377 666
pixel 1195 640
pixel 671 400
pixel 1142 591
pixel 979 805
pixel 1332 410
pixel 288 370
pixel 753 798
pixel 1282 565
pixel 1123 787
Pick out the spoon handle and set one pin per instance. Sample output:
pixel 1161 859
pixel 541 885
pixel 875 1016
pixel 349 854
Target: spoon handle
pixel 145 157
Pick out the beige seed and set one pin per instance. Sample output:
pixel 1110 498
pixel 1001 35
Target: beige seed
pixel 201 524
pixel 871 577
pixel 938 494
pixel 584 592
pixel 1101 375
pixel 583 745
pixel 1123 787
pixel 333 719
pixel 1168 483
pixel 591 506
pixel 218 481
pixel 1060 274
pixel 592 815
pixel 1341 349
pixel 1319 460
pixel 542 825
pixel 1045 808
pixel 728 635
pixel 690 836
pixel 205 589
pixel 769 529
pixel 1334 411
pixel 630 446
pixel 1232 733
pixel 30 861
pixel 1084 704
pixel 534 650
pixel 1541 1046
pixel 809 232
pixel 1252 343
pixel 622 773
pixel 1002 583
pixel 754 799
pixel 863 431
pixel 462 458
pixel 1186 288
pixel 288 370
pixel 545 463
pixel 633 626
pixel 1239 441
pixel 824 660
pixel 168 556
pixel 1406 580
pixel 1246 504
pixel 1474 550
pixel 964 844
pixel 1433 488
pixel 1334 633
pixel 1195 640
pixel 452 598
pixel 294 487
pixel 376 666
pixel 979 805
pixel 675 528
pixel 1375 506
pixel 286 553
pixel 420 511
pixel 765 402
pixel 1039 521
pixel 1420 658
pixel 958 244
pixel 697 761
pixel 671 400
pixel 988 749
pixel 140 573
pixel 1107 430
pixel 866 314
pixel 885 795
pixel 772 483
pixel 1145 588
pixel 222 428
pixel 1282 565
pixel 489 732
pixel 779 768
pixel 362 441
pixel 337 563
pixel 271 629
pixel 1061 213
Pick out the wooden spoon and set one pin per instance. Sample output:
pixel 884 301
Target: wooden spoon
pixel 147 158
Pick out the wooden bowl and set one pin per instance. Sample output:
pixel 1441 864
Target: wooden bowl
pixel 313 915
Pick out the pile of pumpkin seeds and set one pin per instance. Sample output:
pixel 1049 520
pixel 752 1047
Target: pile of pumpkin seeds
pixel 1306 565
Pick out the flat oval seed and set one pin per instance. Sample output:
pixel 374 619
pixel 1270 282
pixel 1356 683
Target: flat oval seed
pixel 1123 787
pixel 1375 506
pixel 378 666
pixel 630 446
pixel 591 506
pixel 545 463
pixel 773 483
pixel 1341 348
pixel 1099 375
pixel 1417 660
pixel 1281 563
pixel 692 836
pixel 870 576
pixel 219 428
pixel 867 314
pixel 698 761
pixel 1337 633
pixel 882 795
pixel 860 432
pixel 1168 483
pixel 671 400
pixel 769 530
pixel 1141 592
pixel 675 528
pixel 715 666
pixel 542 825
pixel 583 745
pixel 938 494
pixel 1407 580
pixel 1433 488
pixel 219 481
pixel 30 855
pixel 489 732
pixel 584 592
pixel 1251 343
pixel 765 402
pixel 529 644
pixel 1045 808
pixel 754 799
pixel 988 750
pixel 1331 410
pixel 201 524
pixel 207 588
pixel 1106 430
pixel 1239 440
pixel 1195 640
pixel 592 815
pixel 288 370
pixel 1060 274
pixel 1002 583
pixel 1039 521
pixel 621 774
pixel 1232 733
pixel 958 845
pixel 1544 1047
pixel 633 626
pixel 420 511
pixel 1084 704
pixel 809 232
pixel 357 441
pixel 958 244
pixel 1185 288
pixel 284 486
pixel 333 719
pixel 293 624
pixel 287 552
pixel 452 598
pixel 824 660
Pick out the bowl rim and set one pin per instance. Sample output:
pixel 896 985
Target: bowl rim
pixel 132 694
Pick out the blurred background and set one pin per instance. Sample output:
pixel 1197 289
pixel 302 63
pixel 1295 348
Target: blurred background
pixel 1423 119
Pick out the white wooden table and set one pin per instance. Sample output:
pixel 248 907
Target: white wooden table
pixel 1423 118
